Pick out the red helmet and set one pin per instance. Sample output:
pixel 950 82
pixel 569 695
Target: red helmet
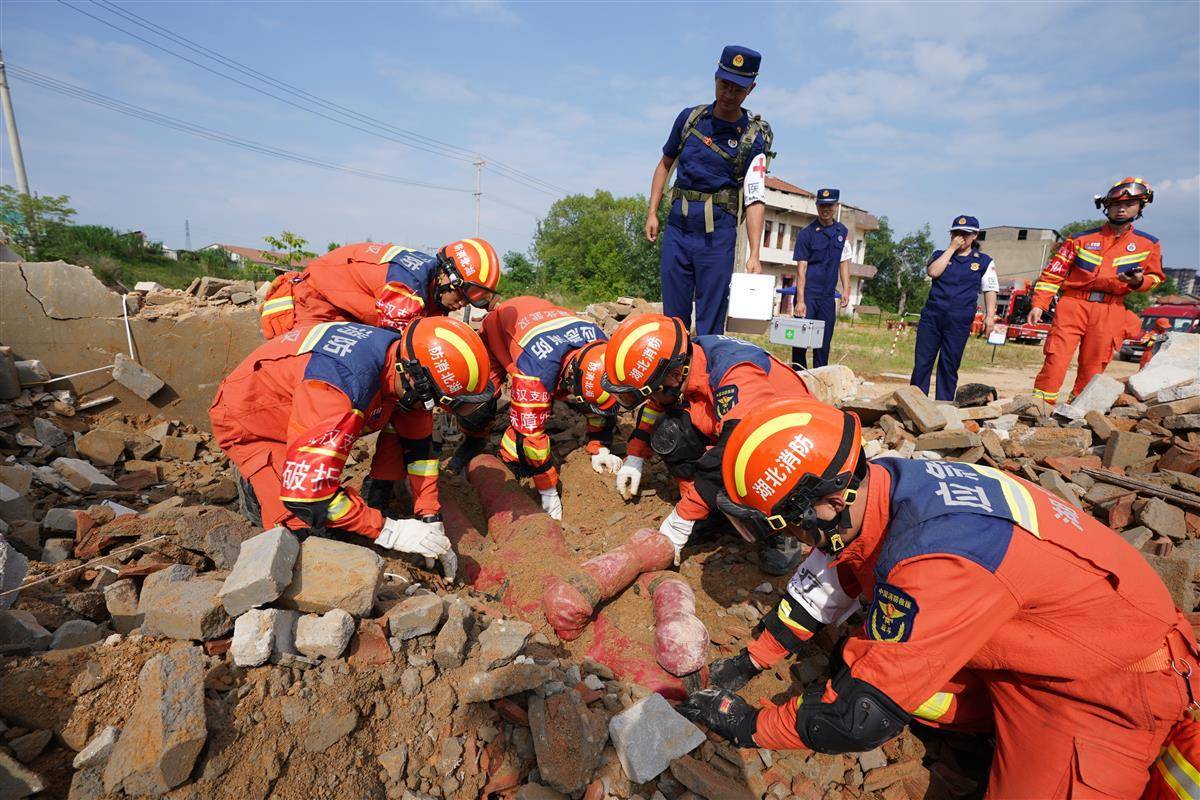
pixel 641 354
pixel 1162 324
pixel 1127 189
pixel 473 268
pixel 443 362
pixel 785 456
pixel 582 372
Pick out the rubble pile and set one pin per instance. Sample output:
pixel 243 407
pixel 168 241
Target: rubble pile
pixel 152 300
pixel 609 315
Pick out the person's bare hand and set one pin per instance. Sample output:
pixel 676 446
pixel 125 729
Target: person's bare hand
pixel 801 310
pixel 957 241
pixel 1133 277
pixel 845 300
pixel 753 265
pixel 652 228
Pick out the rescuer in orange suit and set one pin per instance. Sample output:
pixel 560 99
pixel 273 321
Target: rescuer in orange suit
pixel 289 415
pixel 1095 269
pixel 1153 339
pixel 382 284
pixel 991 605
pixel 691 388
pixel 546 353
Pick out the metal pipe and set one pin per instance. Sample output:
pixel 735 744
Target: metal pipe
pixel 128 331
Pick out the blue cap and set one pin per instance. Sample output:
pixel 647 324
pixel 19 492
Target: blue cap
pixel 828 196
pixel 739 65
pixel 966 223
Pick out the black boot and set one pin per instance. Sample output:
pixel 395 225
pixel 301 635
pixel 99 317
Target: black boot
pixel 471 447
pixel 779 554
pixel 732 673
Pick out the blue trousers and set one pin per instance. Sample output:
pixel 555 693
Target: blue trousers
pixel 697 265
pixel 822 308
pixel 942 337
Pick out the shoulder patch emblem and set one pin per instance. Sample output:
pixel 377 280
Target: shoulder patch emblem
pixel 1092 246
pixel 725 398
pixel 891 615
pixel 974 266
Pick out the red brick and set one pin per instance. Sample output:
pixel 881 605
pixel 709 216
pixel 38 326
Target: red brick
pixel 217 647
pixel 511 712
pixel 370 644
pixel 805 789
pixel 1181 458
pixel 1121 512
pixel 1069 465
pixel 886 776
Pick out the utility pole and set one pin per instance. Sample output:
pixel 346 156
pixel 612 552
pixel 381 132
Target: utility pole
pixel 14 141
pixel 478 190
pixel 187 235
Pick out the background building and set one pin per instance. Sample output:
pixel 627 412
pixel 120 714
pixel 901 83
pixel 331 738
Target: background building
pixel 789 210
pixel 1185 279
pixel 1018 252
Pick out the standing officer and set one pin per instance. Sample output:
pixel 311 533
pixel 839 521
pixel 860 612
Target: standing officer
pixel 721 151
pixel 822 256
pixel 994 606
pixel 1095 270
pixel 959 273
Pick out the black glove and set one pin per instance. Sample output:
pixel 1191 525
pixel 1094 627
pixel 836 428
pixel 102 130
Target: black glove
pixel 471 447
pixel 732 673
pixel 723 713
pixel 378 493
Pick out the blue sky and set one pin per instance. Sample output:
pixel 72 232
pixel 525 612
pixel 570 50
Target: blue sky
pixel 1018 113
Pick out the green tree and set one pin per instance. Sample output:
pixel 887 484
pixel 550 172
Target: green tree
pixel 520 276
pixel 592 247
pixel 27 220
pixel 1078 226
pixel 289 249
pixel 900 282
pixel 1137 302
pixel 332 246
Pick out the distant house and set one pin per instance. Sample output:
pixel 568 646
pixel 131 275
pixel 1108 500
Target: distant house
pixel 1019 253
pixel 1185 278
pixel 789 210
pixel 243 256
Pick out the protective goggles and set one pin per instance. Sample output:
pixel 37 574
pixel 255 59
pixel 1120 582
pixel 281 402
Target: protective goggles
pixel 571 384
pixel 1135 190
pixel 423 392
pixel 476 294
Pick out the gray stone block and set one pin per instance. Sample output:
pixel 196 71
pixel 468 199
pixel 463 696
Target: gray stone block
pixel 82 476
pixel 325 635
pixel 177 605
pixel 97 751
pixel 13 569
pixel 649 735
pixel 136 378
pixel 259 633
pixel 331 574
pixel 416 616
pixel 263 570
pixel 76 633
pixel 48 433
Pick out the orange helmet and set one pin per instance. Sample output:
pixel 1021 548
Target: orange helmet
pixel 1162 324
pixel 782 458
pixel 581 376
pixel 443 362
pixel 1127 189
pixel 642 352
pixel 473 268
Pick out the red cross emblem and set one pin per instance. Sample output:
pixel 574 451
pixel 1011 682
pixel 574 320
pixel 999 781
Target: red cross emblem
pixel 760 167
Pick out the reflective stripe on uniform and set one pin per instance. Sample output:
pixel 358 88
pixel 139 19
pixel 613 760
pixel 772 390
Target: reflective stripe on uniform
pixel 1043 286
pixel 314 336
pixel 339 506
pixel 536 453
pixel 325 452
pixel 935 707
pixel 1179 774
pixel 278 306
pixel 426 466
pixel 391 253
pixel 1042 394
pixel 545 327
pixel 1020 501
pixel 508 443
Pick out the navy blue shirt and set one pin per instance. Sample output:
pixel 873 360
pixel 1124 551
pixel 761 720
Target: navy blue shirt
pixel 822 247
pixel 697 167
pixel 955 290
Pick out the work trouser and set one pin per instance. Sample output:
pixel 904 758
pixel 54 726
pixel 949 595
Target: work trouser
pixel 941 336
pixel 1096 328
pixel 1094 738
pixel 824 309
pixel 698 266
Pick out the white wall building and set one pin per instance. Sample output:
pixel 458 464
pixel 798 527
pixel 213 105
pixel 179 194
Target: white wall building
pixel 789 210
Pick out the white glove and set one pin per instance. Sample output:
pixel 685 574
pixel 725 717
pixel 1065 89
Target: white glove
pixel 605 461
pixel 551 502
pixel 413 536
pixel 629 477
pixel 678 530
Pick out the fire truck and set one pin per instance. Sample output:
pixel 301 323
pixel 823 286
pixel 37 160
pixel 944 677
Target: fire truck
pixel 1182 311
pixel 1013 304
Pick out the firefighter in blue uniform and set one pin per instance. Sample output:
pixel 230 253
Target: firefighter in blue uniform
pixel 823 254
pixel 721 152
pixel 959 273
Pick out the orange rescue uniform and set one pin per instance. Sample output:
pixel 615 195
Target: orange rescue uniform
pixel 529 340
pixel 290 413
pixel 727 377
pixel 1090 314
pixel 373 282
pixel 997 606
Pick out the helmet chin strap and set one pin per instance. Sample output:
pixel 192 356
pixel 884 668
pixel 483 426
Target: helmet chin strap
pixel 829 531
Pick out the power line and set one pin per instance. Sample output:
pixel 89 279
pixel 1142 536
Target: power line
pixel 399 135
pixel 166 121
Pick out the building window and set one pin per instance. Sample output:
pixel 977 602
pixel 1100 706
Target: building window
pixel 767 233
pixel 982 236
pixel 779 236
pixel 1022 234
